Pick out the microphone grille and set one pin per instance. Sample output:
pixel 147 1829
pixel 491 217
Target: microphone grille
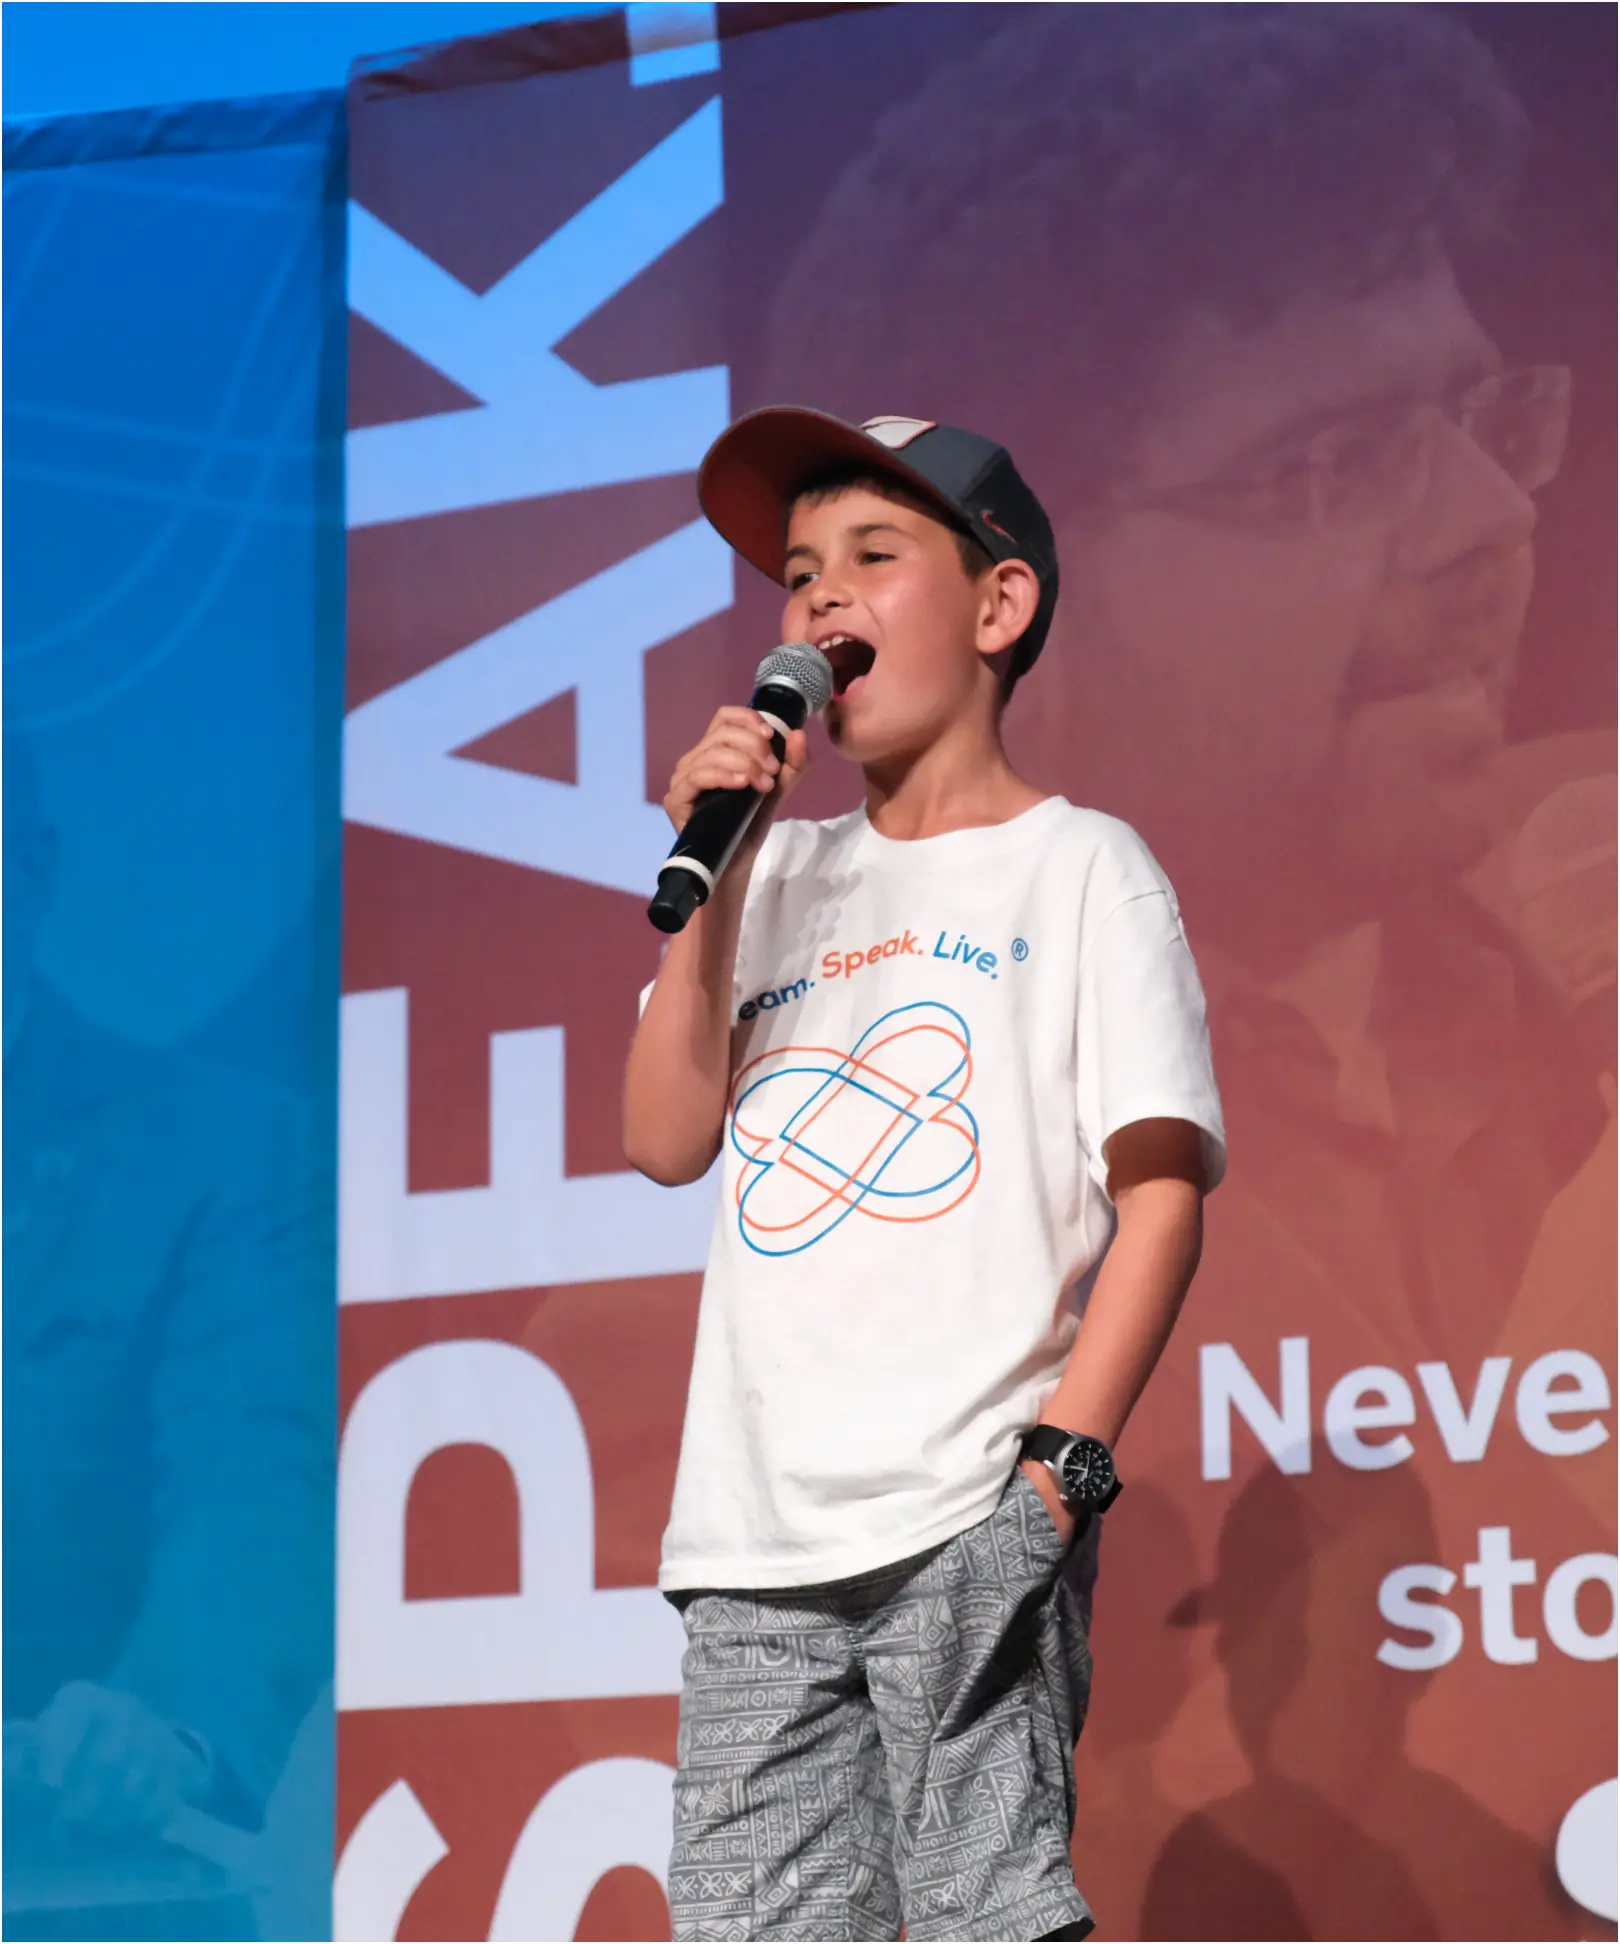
pixel 806 667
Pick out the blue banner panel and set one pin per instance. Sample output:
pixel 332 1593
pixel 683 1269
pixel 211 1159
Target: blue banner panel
pixel 173 667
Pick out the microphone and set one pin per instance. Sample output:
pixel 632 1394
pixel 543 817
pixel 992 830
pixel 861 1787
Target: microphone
pixel 792 684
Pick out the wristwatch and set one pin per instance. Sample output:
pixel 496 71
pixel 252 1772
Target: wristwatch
pixel 1082 1467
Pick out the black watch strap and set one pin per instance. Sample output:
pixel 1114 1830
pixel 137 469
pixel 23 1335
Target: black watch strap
pixel 1046 1442
pixel 1043 1441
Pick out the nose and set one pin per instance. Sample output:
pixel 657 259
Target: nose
pixel 1468 504
pixel 828 593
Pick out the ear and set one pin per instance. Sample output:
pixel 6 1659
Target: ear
pixel 1010 595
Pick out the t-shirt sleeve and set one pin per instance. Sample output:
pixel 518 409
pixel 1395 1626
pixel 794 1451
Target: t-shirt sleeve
pixel 1143 1037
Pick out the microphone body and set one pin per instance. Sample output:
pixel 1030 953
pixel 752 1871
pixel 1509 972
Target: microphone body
pixel 792 684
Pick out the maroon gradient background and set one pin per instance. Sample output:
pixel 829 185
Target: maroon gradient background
pixel 1421 1120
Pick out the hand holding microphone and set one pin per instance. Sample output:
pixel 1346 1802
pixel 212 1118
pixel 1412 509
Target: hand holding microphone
pixel 736 754
pixel 725 792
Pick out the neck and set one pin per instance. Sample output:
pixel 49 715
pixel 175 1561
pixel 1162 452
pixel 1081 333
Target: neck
pixel 958 782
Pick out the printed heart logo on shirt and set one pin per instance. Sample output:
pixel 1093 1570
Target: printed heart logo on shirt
pixel 880 1131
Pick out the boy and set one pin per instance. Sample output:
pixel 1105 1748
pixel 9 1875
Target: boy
pixel 947 1045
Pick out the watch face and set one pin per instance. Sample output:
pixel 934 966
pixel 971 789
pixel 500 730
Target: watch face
pixel 1088 1471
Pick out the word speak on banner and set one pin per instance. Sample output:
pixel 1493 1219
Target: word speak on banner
pixel 540 427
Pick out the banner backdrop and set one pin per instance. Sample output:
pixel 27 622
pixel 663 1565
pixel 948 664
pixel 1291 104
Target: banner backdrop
pixel 173 692
pixel 1300 321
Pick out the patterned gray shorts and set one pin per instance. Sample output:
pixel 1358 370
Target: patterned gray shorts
pixel 896 1744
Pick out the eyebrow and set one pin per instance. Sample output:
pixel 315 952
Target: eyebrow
pixel 1466 370
pixel 856 532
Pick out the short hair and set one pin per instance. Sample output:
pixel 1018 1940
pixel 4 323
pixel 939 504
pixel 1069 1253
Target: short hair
pixel 1042 215
pixel 976 558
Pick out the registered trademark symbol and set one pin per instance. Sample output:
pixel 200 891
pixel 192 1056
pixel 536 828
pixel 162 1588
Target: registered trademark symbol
pixel 1020 949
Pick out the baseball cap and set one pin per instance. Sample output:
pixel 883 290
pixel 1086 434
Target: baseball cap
pixel 755 469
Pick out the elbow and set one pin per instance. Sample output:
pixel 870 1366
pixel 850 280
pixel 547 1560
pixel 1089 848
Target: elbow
pixel 672 1149
pixel 668 1166
pixel 666 1172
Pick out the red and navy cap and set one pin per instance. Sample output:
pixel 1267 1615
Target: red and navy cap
pixel 757 467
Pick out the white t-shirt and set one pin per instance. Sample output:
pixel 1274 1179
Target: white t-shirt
pixel 933 1041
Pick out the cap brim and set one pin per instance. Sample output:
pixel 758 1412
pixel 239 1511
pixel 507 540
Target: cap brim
pixel 753 471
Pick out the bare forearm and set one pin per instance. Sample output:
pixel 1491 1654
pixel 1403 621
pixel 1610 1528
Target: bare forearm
pixel 679 1069
pixel 1133 1308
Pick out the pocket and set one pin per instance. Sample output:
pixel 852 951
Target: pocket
pixel 1061 1692
pixel 1072 1664
pixel 1044 1541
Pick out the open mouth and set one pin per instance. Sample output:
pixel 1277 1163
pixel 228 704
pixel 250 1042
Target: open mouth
pixel 851 658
